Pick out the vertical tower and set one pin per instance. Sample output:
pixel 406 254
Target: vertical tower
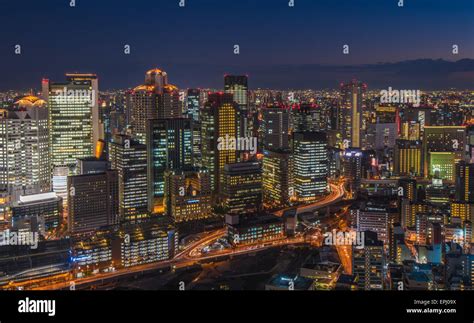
pixel 350 118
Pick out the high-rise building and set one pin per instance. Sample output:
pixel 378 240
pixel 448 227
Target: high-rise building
pixel 74 125
pixel 237 85
pixel 169 146
pixel 442 165
pixel 311 167
pixel 92 201
pixel 193 104
pixel 219 119
pixel 275 128
pixel 242 187
pixel 129 158
pixel 306 117
pixel 368 262
pixel 277 180
pixel 464 181
pixel 375 218
pixel 188 194
pixel 407 189
pixel 408 158
pixel 156 99
pixel 443 139
pixel 24 148
pixel 352 165
pixel 350 113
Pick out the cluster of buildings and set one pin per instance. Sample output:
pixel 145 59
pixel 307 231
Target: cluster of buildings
pixel 116 175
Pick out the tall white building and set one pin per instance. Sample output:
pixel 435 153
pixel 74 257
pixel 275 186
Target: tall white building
pixel 24 150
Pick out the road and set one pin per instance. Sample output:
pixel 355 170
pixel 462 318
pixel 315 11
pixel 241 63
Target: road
pixel 191 254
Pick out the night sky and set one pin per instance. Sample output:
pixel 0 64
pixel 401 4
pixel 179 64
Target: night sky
pixel 280 46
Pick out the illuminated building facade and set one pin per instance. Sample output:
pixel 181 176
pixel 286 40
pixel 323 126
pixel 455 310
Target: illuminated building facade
pixel 408 158
pixel 464 181
pixel 188 194
pixel 92 201
pixel 169 146
pixel 352 164
pixel 245 230
pixel 156 99
pixel 311 166
pixel 275 127
pixel 350 113
pixel 74 125
pixel 277 180
pixel 220 117
pixel 442 165
pixel 451 139
pixel 368 262
pixel 129 158
pixel 24 148
pixel 237 85
pixel 242 187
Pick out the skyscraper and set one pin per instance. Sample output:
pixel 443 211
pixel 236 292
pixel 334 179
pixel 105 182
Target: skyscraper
pixel 276 177
pixel 74 125
pixel 242 187
pixel 350 113
pixel 24 148
pixel 129 158
pixel 275 128
pixel 443 139
pixel 311 167
pixel 93 201
pixel 368 262
pixel 408 158
pixel 193 104
pixel 353 168
pixel 169 146
pixel 188 194
pixel 220 118
pixel 237 85
pixel 156 99
pixel 464 181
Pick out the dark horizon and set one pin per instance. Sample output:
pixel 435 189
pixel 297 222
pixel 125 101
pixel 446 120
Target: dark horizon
pixel 194 44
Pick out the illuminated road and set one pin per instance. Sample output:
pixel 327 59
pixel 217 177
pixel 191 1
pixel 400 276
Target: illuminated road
pixel 337 193
pixel 192 253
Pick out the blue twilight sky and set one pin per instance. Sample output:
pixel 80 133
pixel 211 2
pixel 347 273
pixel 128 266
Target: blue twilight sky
pixel 194 44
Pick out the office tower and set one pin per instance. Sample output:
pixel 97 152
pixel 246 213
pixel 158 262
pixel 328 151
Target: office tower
pixel 59 182
pixel 237 85
pixel 410 130
pixel 242 187
pixel 277 180
pixel 219 119
pixel 442 165
pixel 408 158
pixel 92 201
pixel 368 262
pixel 24 148
pixel 352 164
pixel 350 116
pixel 462 210
pixel 396 240
pixel 311 167
pixel 156 99
pixel 47 208
pixel 385 135
pixel 92 165
pixel 129 158
pixel 275 127
pixel 375 218
pixel 74 125
pixel 169 146
pixel 193 104
pixel 407 189
pixel 306 117
pixel 188 194
pixel 438 139
pixel 464 180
